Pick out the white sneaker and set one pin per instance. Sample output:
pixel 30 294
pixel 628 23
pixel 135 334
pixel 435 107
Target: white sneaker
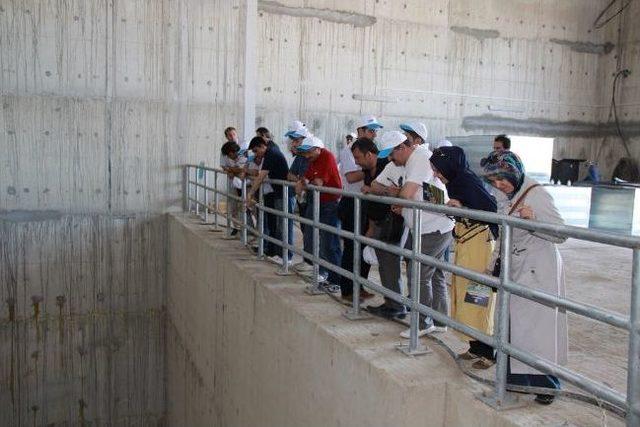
pixel 440 329
pixel 303 267
pixel 276 259
pixel 421 332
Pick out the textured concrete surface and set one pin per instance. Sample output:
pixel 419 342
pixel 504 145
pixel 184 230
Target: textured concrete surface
pixel 101 103
pixel 443 62
pixel 248 347
pixel 103 100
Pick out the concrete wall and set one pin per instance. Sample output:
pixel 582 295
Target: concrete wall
pixel 247 348
pixel 102 101
pixel 524 67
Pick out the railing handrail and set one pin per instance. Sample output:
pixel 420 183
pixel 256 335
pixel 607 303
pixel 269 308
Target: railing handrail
pixel 569 231
pixel 504 285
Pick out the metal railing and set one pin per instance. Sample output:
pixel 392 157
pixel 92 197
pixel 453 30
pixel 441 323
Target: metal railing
pixel 196 198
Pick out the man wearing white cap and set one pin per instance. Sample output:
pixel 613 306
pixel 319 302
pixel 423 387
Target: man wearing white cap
pixel 416 133
pixel 323 172
pixel 352 176
pixel 420 184
pixel 368 127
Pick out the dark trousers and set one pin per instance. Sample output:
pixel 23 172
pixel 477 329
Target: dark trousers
pixel 532 380
pixel 272 227
pixel 346 215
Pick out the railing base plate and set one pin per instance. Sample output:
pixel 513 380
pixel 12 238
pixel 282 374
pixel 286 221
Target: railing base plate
pixel 510 402
pixel 349 314
pixel 419 351
pixel 281 272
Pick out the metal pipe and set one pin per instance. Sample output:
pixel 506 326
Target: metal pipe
pixel 316 237
pixel 633 371
pixel 502 329
pixel 260 223
pixel 206 199
pixel 416 241
pixel 243 234
pixel 356 258
pixel 197 191
pixel 229 190
pixel 285 230
pixel 215 200
pixel 185 188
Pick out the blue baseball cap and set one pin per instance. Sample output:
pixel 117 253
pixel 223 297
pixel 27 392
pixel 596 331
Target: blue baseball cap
pixel 370 122
pixel 389 141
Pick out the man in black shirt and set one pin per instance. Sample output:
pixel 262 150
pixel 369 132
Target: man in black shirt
pixel 274 166
pixel 381 222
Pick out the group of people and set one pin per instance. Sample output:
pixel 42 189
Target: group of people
pixel 400 164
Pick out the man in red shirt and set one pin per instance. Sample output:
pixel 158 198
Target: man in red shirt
pixel 322 171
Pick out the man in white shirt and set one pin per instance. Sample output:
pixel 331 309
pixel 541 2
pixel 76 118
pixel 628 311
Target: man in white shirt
pixel 420 184
pixel 352 176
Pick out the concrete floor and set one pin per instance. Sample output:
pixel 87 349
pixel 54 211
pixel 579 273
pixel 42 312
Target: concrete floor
pixel 595 274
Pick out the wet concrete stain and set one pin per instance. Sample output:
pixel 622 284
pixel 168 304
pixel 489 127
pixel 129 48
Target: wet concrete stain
pixel 586 47
pixel 548 128
pixel 476 33
pixel 331 15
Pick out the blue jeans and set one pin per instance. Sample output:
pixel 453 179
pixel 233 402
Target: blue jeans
pixel 329 243
pixel 292 209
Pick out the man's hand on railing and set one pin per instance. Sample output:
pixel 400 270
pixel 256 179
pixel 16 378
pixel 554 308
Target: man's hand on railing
pixel 300 186
pixel 454 203
pixel 365 189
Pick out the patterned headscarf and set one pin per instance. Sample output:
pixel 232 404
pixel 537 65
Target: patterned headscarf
pixel 504 165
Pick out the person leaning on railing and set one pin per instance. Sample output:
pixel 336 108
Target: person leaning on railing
pixel 322 172
pixel 535 263
pixel 435 234
pixel 471 303
pixel 233 163
pixel 274 166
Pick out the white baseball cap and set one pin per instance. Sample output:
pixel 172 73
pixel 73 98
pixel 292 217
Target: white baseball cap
pixel 297 129
pixel 416 127
pixel 443 143
pixel 310 143
pixel 390 140
pixel 370 122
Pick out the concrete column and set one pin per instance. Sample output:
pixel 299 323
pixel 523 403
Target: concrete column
pixel 250 65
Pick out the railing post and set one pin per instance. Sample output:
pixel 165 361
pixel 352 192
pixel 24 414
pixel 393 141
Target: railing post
pixel 229 202
pixel 501 399
pixel 260 223
pixel 197 181
pixel 314 288
pixel 215 201
pixel 284 270
pixel 243 234
pixel 633 373
pixel 354 313
pixel 206 198
pixel 414 348
pixel 185 189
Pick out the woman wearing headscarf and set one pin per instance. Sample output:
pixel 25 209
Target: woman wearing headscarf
pixel 471 303
pixel 535 263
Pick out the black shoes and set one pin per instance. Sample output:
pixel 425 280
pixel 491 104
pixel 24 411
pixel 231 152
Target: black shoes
pixel 387 312
pixel 545 399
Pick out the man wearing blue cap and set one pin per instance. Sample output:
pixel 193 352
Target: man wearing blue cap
pixel 416 133
pixel 368 127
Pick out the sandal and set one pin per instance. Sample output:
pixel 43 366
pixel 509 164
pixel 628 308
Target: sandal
pixel 483 363
pixel 468 356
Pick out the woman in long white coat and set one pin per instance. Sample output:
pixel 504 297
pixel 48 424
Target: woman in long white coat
pixel 535 263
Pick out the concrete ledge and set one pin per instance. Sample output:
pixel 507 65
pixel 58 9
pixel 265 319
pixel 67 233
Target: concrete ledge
pixel 247 347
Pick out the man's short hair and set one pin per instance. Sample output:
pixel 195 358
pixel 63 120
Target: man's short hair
pixel 504 140
pixel 264 132
pixel 229 147
pixel 227 130
pixel 365 145
pixel 256 141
